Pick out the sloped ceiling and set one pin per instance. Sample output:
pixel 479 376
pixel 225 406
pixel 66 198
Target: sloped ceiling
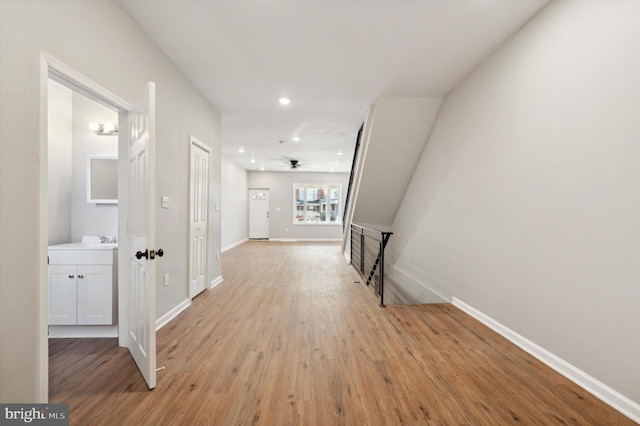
pixel 331 58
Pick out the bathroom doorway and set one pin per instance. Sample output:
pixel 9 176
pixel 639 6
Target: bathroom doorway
pixel 135 327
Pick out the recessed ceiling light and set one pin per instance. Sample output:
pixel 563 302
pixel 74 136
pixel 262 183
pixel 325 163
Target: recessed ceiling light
pixel 336 162
pixel 284 101
pixel 339 153
pixel 241 150
pixel 261 168
pixel 295 139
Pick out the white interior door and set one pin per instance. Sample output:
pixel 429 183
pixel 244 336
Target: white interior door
pixel 199 213
pixel 141 291
pixel 259 213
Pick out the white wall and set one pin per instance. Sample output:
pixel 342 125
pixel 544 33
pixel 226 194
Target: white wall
pixel 115 53
pixel 393 142
pixel 235 205
pixel 90 219
pixel 60 133
pixel 280 185
pixel 525 203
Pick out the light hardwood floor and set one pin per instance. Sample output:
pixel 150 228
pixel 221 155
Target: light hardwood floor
pixel 289 339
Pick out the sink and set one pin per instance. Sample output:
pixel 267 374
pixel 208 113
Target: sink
pixel 87 253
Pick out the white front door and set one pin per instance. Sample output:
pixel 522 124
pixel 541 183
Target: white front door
pixel 199 213
pixel 259 213
pixel 141 291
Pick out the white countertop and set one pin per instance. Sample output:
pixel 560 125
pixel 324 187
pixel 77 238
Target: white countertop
pixel 87 246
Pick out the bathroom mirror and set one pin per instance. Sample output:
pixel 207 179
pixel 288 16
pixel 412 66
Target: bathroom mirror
pixel 102 179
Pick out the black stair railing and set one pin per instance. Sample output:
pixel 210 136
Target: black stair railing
pixel 353 170
pixel 367 256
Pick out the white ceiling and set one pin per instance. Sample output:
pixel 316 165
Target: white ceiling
pixel 331 58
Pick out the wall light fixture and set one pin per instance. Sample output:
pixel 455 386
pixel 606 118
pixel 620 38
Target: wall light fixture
pixel 105 129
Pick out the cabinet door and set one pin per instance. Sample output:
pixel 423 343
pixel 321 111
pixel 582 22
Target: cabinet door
pixel 63 294
pixel 95 290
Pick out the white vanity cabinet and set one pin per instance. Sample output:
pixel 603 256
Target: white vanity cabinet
pixel 82 284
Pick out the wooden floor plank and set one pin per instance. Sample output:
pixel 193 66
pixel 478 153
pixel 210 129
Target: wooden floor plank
pixel 289 339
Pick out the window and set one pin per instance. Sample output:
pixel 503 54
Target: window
pixel 316 204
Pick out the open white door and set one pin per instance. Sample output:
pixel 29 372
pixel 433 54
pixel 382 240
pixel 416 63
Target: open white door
pixel 198 217
pixel 141 291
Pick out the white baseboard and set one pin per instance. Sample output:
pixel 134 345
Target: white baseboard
pixel 164 320
pixel 82 331
pixel 230 246
pixel 297 240
pixel 215 282
pixel 410 290
pixel 615 399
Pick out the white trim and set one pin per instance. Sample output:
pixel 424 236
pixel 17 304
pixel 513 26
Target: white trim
pixel 166 318
pixel 306 186
pixel 393 271
pixel 196 143
pixel 42 345
pixel 90 198
pixel 215 282
pixel 82 331
pixel 237 243
pixel 66 75
pixel 301 240
pixel 615 399
pixel 200 144
pixel 51 67
pixel 357 173
pixel 251 210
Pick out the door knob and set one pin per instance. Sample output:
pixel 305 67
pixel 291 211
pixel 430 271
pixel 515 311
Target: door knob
pixel 153 253
pixel 140 255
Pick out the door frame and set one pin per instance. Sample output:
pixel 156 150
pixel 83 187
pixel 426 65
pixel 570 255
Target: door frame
pixel 194 142
pixel 62 73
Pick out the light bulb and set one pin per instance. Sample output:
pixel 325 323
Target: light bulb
pixel 284 101
pixel 94 126
pixel 108 127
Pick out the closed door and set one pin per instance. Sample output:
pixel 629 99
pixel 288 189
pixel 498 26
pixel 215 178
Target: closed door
pixel 199 213
pixel 141 291
pixel 259 213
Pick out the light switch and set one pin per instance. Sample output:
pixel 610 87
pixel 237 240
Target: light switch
pixel 277 209
pixel 165 202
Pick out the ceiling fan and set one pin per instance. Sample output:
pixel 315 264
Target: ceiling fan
pixel 294 164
